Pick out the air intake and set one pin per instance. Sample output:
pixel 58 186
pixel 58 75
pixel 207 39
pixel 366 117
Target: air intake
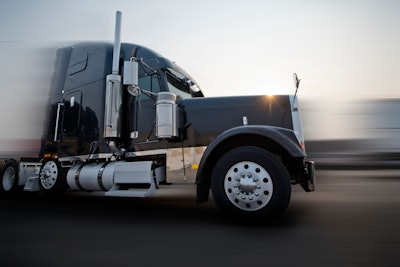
pixel 166 119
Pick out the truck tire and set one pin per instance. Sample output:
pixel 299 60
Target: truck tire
pixel 9 177
pixel 251 184
pixel 52 177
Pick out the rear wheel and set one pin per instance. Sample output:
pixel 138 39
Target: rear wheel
pixel 251 183
pixel 9 177
pixel 52 177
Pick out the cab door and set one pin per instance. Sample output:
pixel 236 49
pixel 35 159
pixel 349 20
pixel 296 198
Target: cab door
pixel 71 123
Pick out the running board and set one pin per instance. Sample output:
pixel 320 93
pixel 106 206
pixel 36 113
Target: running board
pixel 132 192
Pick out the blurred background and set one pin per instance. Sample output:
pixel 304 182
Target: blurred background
pixel 345 53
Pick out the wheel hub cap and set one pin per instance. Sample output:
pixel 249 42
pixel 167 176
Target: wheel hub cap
pixel 48 175
pixel 248 186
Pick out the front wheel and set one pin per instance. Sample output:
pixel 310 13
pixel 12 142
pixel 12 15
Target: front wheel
pixel 251 183
pixel 52 177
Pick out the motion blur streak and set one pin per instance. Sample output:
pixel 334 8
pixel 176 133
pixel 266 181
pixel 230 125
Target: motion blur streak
pixel 351 220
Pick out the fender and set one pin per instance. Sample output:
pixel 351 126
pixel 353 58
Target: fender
pixel 277 140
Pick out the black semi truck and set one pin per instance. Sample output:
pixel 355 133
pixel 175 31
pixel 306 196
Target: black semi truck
pixel 124 120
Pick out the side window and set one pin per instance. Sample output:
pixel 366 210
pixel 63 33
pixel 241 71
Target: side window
pixel 177 87
pixel 150 83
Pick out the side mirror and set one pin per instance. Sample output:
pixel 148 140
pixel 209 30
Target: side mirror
pixel 193 87
pixel 296 81
pixel 131 73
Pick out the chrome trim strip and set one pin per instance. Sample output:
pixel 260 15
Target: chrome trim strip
pixel 145 153
pixel 78 171
pixel 57 119
pixel 296 119
pixel 86 157
pixel 100 176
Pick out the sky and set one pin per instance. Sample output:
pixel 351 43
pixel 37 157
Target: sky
pixel 341 50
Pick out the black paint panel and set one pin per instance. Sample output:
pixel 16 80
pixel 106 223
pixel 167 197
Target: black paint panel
pixel 206 118
pixel 209 117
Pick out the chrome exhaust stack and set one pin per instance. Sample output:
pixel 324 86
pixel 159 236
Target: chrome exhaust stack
pixel 117 43
pixel 113 99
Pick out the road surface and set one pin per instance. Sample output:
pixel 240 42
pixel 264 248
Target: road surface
pixel 352 220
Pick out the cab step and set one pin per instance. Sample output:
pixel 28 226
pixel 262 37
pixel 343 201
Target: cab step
pixel 115 191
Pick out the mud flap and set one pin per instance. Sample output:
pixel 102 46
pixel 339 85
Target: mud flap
pixel 309 184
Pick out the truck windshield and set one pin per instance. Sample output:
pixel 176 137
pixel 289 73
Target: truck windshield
pixel 177 87
pixel 181 84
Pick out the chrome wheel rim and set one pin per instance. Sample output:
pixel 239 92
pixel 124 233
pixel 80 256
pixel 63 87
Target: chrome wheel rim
pixel 248 186
pixel 48 175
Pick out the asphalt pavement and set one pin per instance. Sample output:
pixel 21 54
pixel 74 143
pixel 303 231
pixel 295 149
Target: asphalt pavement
pixel 353 219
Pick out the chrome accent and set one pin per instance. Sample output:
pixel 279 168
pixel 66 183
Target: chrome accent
pixel 146 142
pixel 135 192
pixel 86 176
pixel 296 119
pixel 134 134
pixel 166 115
pixel 117 42
pixel 77 173
pixel 59 105
pixel 296 83
pixel 100 176
pixel 32 184
pixel 118 178
pixel 27 170
pixel 255 187
pixel 86 157
pixel 48 175
pixel 115 149
pixel 245 121
pixel 113 102
pixel 145 153
pixel 72 101
pixel 131 70
pixel 131 173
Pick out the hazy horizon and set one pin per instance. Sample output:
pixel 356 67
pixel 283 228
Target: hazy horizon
pixel 341 50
